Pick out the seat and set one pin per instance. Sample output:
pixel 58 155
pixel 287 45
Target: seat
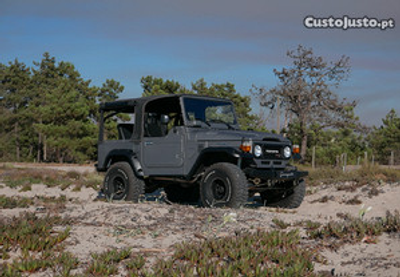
pixel 125 131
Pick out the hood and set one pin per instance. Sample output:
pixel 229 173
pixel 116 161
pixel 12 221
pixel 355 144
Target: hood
pixel 223 135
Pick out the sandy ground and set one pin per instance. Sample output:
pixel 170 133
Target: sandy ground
pixel 154 226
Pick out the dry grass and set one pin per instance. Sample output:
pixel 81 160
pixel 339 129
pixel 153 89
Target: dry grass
pixel 363 175
pixel 23 178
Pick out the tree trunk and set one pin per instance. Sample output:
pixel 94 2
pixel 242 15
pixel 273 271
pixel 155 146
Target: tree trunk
pixel 304 139
pixel 278 116
pixel 39 147
pixel 17 145
pixel 44 148
pixel 286 123
pixel 303 149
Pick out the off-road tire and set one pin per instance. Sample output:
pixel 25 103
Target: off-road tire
pixel 178 194
pixel 121 183
pixel 224 184
pixel 289 201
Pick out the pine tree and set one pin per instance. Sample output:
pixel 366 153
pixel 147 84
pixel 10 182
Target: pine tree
pixel 386 138
pixel 62 106
pixel 15 85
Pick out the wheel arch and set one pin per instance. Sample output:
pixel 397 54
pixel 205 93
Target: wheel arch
pixel 210 156
pixel 122 155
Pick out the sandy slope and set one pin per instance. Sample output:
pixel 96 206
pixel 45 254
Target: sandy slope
pixel 153 226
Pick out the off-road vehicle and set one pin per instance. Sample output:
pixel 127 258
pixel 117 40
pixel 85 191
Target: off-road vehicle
pixel 193 148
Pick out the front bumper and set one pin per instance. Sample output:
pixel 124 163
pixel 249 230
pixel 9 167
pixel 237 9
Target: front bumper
pixel 276 175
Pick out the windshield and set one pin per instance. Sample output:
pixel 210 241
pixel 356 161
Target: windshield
pixel 209 111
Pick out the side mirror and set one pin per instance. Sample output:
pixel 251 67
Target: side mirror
pixel 164 119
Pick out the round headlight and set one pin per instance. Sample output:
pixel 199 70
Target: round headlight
pixel 287 152
pixel 257 151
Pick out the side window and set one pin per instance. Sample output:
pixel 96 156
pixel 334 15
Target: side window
pixel 119 125
pixel 161 115
pixel 153 125
pixel 125 131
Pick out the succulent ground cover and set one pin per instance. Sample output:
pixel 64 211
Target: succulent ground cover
pixel 52 225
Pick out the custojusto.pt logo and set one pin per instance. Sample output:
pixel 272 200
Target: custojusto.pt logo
pixel 346 22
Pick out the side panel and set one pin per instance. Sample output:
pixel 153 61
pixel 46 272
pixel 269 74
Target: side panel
pixel 106 149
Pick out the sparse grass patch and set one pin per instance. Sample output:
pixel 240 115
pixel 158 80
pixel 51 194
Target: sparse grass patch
pixel 60 263
pixel 354 201
pixel 354 230
pixel 280 223
pixel 391 223
pixel 39 244
pixel 25 202
pixel 273 253
pixel 261 253
pixel 25 177
pixel 63 263
pixel 323 199
pixel 325 175
pixel 364 175
pixel 31 265
pixel 31 233
pixel 309 224
pixel 62 199
pixel 377 173
pixel 14 202
pixel 106 263
pixel 281 210
pixel 350 186
pixel 373 192
pixel 26 187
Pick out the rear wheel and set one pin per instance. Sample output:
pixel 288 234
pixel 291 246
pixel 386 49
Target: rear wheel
pixel 121 183
pixel 290 200
pixel 224 184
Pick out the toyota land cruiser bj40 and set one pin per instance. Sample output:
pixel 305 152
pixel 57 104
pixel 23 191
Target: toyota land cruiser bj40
pixel 192 147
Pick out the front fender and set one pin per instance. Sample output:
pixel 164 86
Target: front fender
pixel 213 155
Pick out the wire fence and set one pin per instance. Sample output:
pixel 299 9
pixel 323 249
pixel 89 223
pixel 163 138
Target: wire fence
pixel 392 160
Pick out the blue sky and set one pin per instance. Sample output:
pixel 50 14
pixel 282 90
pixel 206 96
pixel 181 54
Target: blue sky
pixel 221 41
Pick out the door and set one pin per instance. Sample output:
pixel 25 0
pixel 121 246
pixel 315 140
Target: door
pixel 164 152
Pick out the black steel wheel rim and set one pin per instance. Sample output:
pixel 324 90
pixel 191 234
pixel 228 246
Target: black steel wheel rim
pixel 119 186
pixel 220 189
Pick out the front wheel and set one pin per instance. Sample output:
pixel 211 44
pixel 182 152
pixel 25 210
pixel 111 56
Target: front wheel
pixel 121 183
pixel 224 184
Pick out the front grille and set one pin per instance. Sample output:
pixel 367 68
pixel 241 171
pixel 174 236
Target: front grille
pixel 272 151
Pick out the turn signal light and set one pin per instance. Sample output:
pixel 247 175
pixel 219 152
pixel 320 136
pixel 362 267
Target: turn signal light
pixel 246 146
pixel 296 149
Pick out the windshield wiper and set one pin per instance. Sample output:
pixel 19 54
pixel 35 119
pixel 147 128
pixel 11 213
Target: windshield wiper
pixel 223 122
pixel 202 121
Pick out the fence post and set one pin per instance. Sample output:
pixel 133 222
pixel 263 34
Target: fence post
pixel 313 157
pixel 365 158
pixel 344 161
pixel 391 163
pixel 341 160
pixel 358 160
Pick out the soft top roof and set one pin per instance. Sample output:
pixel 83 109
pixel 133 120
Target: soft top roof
pixel 127 104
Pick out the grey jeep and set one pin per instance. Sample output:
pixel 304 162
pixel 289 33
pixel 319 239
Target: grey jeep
pixel 193 148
